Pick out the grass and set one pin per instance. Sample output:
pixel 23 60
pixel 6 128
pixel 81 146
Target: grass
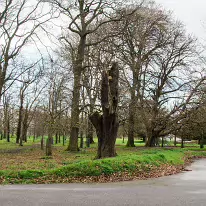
pixel 140 162
pixel 29 163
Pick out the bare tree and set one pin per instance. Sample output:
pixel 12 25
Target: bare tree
pixel 86 17
pixel 19 23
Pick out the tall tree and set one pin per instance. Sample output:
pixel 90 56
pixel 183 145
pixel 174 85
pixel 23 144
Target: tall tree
pixel 86 17
pixel 19 23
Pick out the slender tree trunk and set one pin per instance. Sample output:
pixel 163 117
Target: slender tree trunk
pixel 49 144
pixel 90 132
pixel 59 138
pixel 81 140
pixel 107 124
pixel 202 140
pixel 42 142
pixel 8 130
pixel 182 142
pixel 123 139
pixel 63 139
pixel 56 138
pixel 18 134
pixel 175 140
pixel 130 141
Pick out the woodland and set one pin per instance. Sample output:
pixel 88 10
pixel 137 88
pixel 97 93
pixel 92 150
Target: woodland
pixel 97 79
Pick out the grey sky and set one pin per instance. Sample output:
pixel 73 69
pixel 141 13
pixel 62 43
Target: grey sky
pixel 191 13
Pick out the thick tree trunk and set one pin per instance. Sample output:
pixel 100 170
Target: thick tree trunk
pixel 107 124
pixel 77 70
pixel 132 107
pixel 73 142
pixel 151 141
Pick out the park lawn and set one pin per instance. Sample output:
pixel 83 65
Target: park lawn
pixel 28 164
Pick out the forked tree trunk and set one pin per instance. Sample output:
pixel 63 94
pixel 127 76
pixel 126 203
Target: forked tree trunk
pixel 107 124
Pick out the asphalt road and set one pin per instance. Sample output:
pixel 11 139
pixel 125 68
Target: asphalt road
pixel 187 188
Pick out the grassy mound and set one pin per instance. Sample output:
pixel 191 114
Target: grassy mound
pixel 141 163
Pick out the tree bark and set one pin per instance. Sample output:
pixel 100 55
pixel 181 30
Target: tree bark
pixel 25 125
pixel 77 70
pixel 42 142
pixel 107 124
pixel 49 144
pixel 151 141
pixel 8 129
pixel 19 127
pixel 90 132
pixel 130 141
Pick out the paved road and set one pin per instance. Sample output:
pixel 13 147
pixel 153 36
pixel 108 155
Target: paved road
pixel 188 188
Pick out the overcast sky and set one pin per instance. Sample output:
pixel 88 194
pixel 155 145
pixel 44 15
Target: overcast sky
pixel 191 12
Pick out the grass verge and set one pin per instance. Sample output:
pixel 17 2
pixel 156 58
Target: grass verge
pixel 150 163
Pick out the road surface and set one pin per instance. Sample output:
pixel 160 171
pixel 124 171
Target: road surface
pixel 187 188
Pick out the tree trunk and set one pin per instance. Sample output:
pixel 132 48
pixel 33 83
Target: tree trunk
pixel 130 141
pixel 107 124
pixel 25 126
pixel 56 138
pixel 8 130
pixel 175 140
pixel 63 139
pixel 81 140
pixel 49 144
pixel 151 141
pixel 77 70
pixel 18 134
pixel 90 132
pixel 73 142
pixel 182 142
pixel 42 142
pixel 59 138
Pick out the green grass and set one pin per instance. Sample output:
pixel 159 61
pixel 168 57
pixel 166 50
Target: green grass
pixel 31 164
pixel 140 162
